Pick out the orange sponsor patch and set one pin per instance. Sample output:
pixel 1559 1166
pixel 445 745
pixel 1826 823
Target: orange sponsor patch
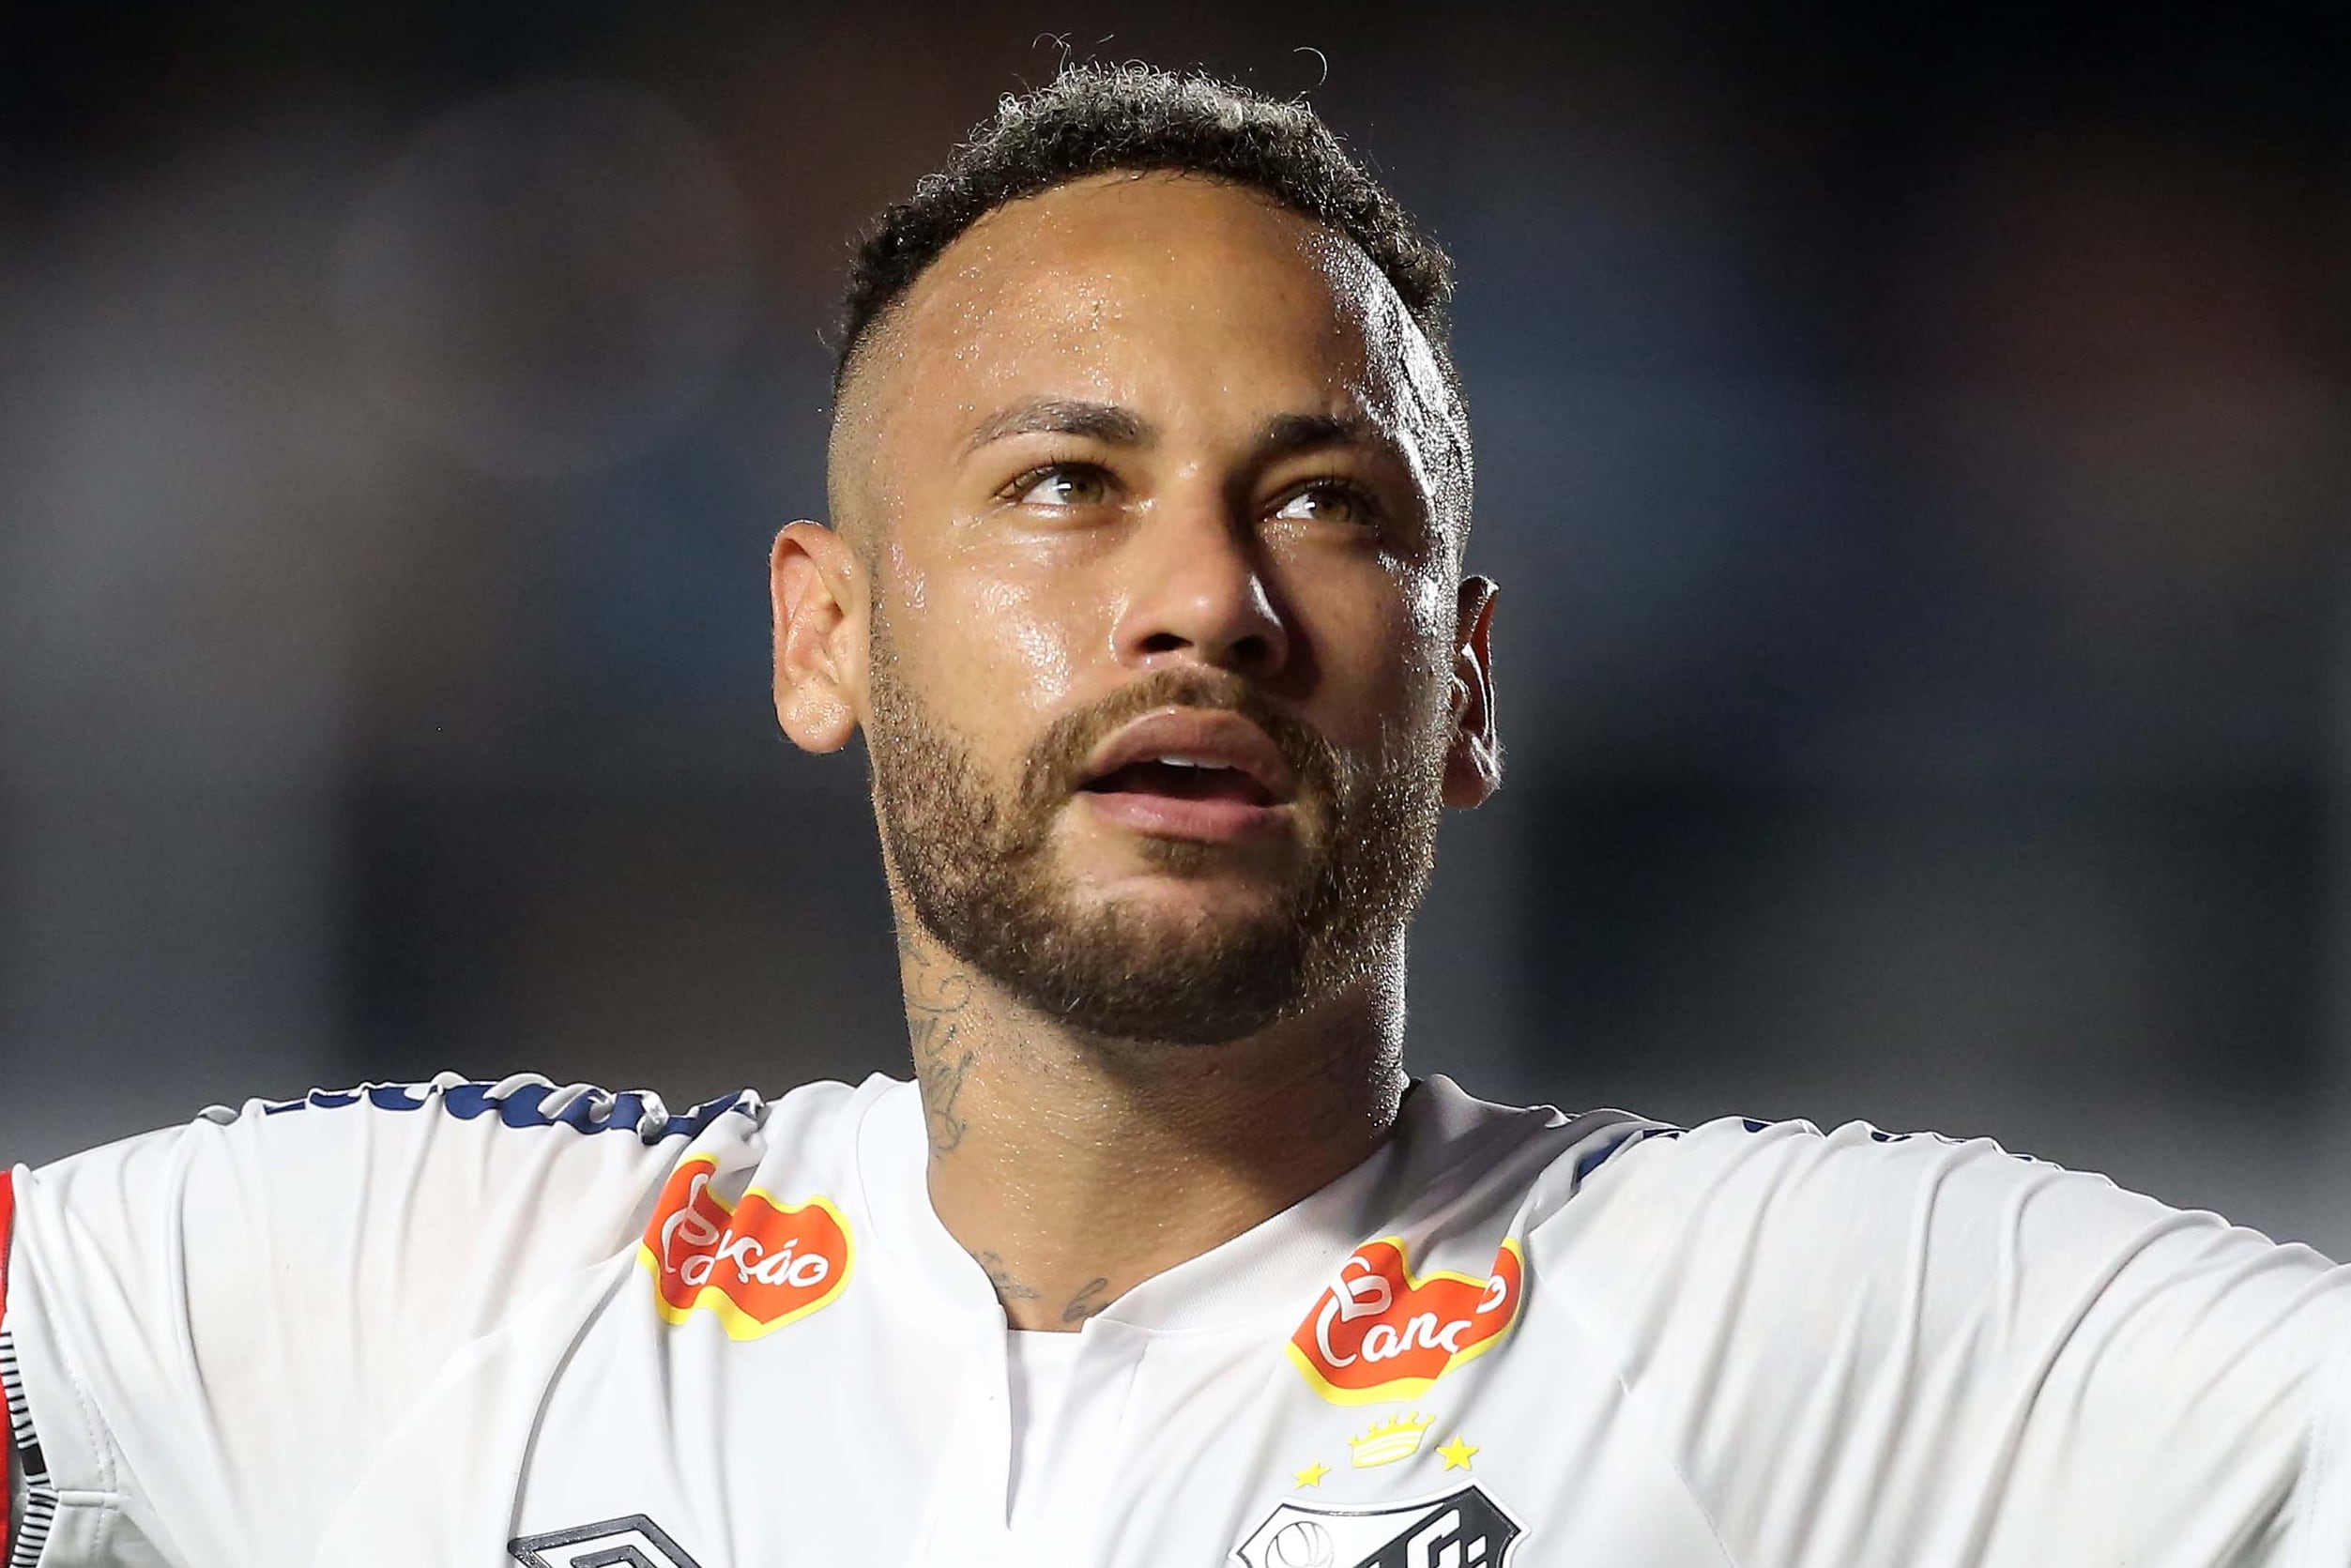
pixel 758 1266
pixel 1380 1334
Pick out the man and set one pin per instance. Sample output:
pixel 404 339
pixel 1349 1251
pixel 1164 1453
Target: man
pixel 1149 488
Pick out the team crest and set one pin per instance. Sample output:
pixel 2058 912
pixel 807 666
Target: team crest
pixel 634 1542
pixel 1460 1529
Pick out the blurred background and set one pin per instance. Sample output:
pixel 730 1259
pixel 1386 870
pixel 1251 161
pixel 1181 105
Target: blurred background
pixel 1913 442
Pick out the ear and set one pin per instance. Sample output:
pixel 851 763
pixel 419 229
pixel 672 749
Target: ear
pixel 815 585
pixel 1473 760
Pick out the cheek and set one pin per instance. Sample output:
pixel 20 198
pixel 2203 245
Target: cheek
pixel 1424 643
pixel 1383 649
pixel 912 586
pixel 1005 644
pixel 1427 605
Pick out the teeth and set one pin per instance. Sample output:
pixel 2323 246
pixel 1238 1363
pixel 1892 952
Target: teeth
pixel 1192 762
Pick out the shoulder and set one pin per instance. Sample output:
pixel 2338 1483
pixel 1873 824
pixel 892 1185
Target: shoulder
pixel 1649 1219
pixel 1476 1157
pixel 1746 1190
pixel 1857 1242
pixel 530 1162
pixel 1851 1181
pixel 1947 1308
pixel 521 1112
pixel 524 1102
pixel 252 1303
pixel 421 1212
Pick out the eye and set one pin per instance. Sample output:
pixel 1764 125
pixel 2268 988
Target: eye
pixel 1327 501
pixel 1061 484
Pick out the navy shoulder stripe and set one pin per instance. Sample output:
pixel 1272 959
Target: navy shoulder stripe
pixel 1601 1153
pixel 527 1100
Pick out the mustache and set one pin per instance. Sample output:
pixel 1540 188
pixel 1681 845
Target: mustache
pixel 1056 764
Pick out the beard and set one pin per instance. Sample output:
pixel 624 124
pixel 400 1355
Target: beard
pixel 976 864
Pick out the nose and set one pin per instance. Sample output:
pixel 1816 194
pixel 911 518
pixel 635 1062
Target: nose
pixel 1197 592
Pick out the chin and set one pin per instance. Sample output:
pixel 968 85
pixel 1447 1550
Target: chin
pixel 1167 967
pixel 1180 904
pixel 1183 870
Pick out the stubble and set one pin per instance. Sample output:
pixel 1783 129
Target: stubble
pixel 975 862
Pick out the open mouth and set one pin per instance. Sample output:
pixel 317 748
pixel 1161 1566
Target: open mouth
pixel 1187 773
pixel 1182 779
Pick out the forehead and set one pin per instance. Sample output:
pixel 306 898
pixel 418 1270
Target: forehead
pixel 1201 296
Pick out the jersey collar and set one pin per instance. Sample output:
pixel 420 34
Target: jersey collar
pixel 1442 1140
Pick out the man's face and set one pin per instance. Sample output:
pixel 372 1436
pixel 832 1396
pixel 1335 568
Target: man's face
pixel 1152 478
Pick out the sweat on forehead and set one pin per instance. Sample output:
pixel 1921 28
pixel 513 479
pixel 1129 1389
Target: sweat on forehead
pixel 1071 292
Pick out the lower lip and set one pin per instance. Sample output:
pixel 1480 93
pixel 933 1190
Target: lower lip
pixel 1173 816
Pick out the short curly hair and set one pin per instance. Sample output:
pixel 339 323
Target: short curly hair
pixel 1092 119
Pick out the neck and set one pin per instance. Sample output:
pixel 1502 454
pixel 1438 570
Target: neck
pixel 1073 1167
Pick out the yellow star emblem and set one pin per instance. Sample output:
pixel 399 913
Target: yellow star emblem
pixel 1312 1475
pixel 1456 1454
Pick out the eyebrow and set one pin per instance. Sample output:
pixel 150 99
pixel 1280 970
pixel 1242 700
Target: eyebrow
pixel 1120 426
pixel 1103 421
pixel 1285 433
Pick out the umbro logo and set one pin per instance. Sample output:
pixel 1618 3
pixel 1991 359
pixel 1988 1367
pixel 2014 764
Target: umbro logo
pixel 634 1542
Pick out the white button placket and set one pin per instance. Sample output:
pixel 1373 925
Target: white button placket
pixel 965 1527
pixel 1081 1472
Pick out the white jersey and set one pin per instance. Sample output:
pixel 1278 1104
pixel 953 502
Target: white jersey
pixel 472 1326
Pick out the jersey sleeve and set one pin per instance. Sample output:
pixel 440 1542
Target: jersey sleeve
pixel 1862 1348
pixel 208 1331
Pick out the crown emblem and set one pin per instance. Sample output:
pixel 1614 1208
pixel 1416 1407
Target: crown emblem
pixel 1390 1440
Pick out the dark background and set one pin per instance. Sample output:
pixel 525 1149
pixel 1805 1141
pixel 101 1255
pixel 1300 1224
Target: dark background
pixel 1913 442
